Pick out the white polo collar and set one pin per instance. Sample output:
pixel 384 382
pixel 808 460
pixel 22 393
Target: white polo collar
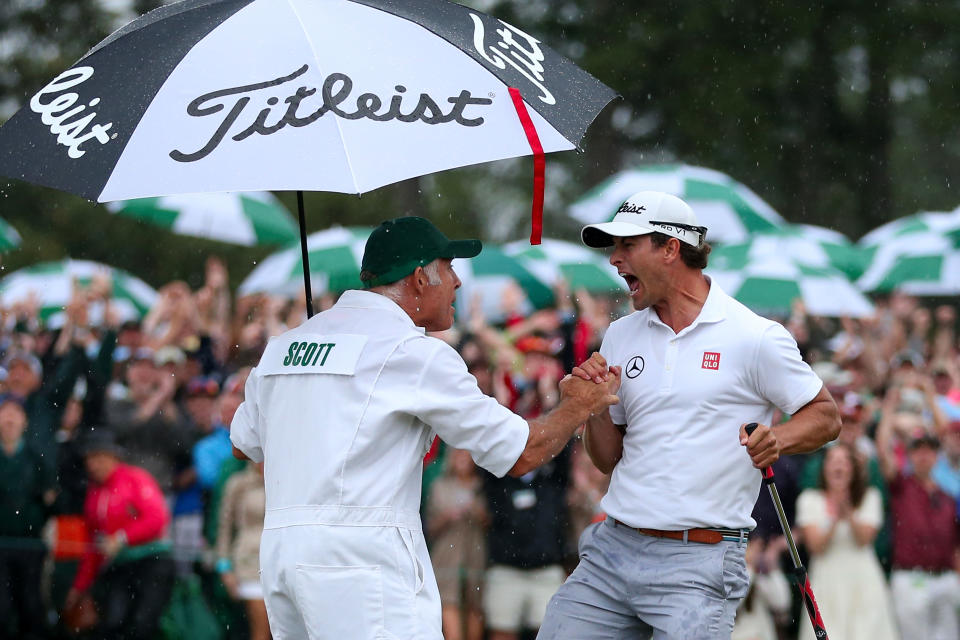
pixel 359 299
pixel 714 309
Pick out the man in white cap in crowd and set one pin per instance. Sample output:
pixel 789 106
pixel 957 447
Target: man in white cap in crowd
pixel 342 410
pixel 698 366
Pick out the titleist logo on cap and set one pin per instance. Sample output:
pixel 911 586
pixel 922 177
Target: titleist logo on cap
pixel 629 207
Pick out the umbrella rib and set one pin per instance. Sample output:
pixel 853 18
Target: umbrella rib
pixel 343 141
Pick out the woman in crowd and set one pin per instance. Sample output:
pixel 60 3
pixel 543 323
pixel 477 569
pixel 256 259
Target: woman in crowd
pixel 238 544
pixel 456 520
pixel 839 521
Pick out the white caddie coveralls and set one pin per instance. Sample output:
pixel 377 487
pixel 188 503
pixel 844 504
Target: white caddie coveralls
pixel 342 410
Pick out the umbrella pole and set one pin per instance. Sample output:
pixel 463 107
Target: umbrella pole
pixel 306 258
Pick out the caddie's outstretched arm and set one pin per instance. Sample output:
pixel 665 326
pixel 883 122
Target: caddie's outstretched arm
pixel 579 399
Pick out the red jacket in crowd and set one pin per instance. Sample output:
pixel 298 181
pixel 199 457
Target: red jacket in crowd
pixel 129 501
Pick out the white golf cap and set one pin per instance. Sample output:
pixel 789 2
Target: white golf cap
pixel 648 212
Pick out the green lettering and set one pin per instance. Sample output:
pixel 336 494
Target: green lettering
pixel 286 361
pixel 296 358
pixel 309 354
pixel 329 347
pixel 319 351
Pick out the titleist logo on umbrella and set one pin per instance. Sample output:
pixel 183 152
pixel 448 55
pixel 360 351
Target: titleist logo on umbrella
pixel 527 60
pixel 57 112
pixel 335 98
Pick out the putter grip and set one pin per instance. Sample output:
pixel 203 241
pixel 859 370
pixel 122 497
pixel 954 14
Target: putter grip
pixel 767 471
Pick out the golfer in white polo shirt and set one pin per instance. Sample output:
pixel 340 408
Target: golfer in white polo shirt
pixel 668 562
pixel 342 410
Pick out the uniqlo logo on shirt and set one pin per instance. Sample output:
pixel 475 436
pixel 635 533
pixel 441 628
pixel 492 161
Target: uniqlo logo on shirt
pixel 711 360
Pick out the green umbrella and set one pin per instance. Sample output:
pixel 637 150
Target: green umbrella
pixel 581 267
pixel 935 221
pixel 52 285
pixel 918 263
pixel 9 238
pixel 242 218
pixel 771 283
pixel 807 244
pixel 334 256
pixel 503 285
pixel 730 211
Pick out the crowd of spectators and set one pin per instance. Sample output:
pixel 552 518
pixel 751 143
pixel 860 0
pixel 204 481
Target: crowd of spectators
pixel 123 513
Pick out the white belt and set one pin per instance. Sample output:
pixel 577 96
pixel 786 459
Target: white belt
pixel 346 515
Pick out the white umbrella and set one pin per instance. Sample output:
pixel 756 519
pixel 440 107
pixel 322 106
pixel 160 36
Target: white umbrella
pixel 502 285
pixel 244 218
pixel 52 283
pixel 935 221
pixel 579 266
pixel 334 256
pixel 771 283
pixel 919 263
pixel 332 95
pixel 806 244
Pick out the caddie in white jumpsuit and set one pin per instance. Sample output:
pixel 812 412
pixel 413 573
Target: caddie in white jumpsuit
pixel 342 410
pixel 668 562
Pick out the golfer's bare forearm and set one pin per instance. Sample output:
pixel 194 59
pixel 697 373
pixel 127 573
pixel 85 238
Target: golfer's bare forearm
pixel 603 441
pixel 814 425
pixel 549 434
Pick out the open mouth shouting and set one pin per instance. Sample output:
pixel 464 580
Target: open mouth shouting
pixel 632 283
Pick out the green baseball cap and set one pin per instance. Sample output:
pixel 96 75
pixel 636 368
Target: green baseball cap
pixel 397 247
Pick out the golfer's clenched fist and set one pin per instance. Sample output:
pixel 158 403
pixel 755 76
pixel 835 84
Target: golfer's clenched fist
pixel 762 445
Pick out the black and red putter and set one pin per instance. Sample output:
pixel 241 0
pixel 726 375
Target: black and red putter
pixel 799 571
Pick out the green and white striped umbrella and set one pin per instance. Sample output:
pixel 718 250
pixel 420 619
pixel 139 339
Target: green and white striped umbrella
pixel 925 221
pixel 52 284
pixel 918 263
pixel 334 255
pixel 730 211
pixel 771 283
pixel 244 218
pixel 555 259
pixel 502 283
pixel 806 244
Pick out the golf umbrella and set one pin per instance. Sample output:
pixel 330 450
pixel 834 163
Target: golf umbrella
pixel 730 211
pixel 579 266
pixel 51 283
pixel 770 285
pixel 9 238
pixel 247 219
pixel 806 244
pixel 333 95
pixel 501 285
pixel 935 221
pixel 334 257
pixel 921 263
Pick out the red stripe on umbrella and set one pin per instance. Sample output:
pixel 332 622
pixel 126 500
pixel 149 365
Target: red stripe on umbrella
pixel 539 166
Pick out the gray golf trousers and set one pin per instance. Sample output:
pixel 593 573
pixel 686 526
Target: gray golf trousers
pixel 629 585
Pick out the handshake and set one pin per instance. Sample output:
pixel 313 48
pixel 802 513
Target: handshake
pixel 592 385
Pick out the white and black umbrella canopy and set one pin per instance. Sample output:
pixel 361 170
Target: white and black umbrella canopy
pixel 325 95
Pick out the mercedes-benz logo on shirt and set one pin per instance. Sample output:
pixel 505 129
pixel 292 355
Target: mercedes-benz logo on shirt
pixel 635 367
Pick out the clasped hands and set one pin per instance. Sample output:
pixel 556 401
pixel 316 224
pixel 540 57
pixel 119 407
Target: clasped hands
pixel 592 384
